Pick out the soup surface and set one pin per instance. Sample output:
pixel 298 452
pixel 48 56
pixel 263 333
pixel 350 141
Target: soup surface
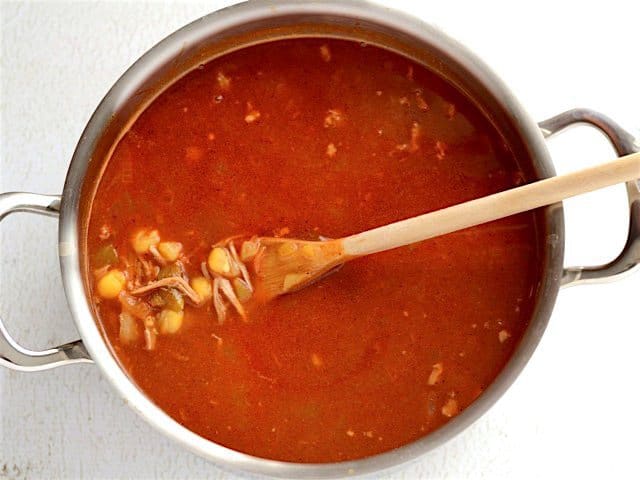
pixel 307 138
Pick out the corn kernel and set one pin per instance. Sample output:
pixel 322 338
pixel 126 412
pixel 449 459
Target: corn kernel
pixel 170 321
pixel 170 250
pixel 111 284
pixel 143 239
pixel 218 261
pixel 202 287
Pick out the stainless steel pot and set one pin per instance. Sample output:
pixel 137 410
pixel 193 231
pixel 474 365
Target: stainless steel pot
pixel 260 21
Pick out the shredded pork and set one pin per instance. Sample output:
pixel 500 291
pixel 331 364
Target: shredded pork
pixel 175 282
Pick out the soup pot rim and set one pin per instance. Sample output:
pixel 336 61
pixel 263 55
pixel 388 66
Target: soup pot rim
pixel 95 343
pixel 240 14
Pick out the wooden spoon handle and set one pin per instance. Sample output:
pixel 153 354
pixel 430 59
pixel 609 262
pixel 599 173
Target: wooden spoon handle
pixel 492 207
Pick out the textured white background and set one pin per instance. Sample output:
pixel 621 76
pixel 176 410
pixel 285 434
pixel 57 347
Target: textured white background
pixel 573 412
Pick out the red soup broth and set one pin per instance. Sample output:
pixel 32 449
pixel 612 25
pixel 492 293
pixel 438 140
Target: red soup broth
pixel 307 138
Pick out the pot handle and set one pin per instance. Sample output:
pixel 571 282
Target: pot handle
pixel 13 355
pixel 624 143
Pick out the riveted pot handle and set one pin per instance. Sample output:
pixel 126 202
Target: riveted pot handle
pixel 624 143
pixel 13 355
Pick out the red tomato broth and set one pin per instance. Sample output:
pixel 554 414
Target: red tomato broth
pixel 339 370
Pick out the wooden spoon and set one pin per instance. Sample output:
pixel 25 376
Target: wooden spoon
pixel 288 264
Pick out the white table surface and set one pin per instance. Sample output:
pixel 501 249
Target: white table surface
pixel 572 413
